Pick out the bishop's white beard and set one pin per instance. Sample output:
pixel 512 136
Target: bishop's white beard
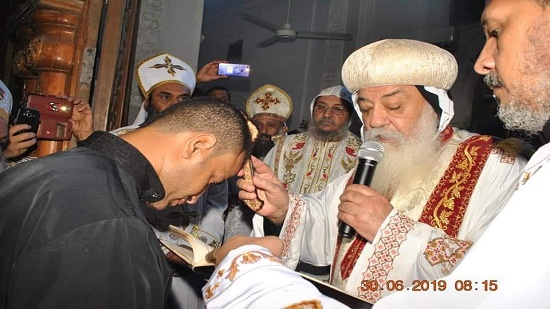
pixel 409 158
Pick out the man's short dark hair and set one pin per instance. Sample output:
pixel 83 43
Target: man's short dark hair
pixel 208 115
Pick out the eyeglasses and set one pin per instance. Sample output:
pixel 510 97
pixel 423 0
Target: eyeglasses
pixel 322 108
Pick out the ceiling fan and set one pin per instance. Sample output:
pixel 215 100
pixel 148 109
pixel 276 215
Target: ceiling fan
pixel 287 34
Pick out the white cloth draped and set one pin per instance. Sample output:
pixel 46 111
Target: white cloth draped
pixel 511 252
pixel 237 277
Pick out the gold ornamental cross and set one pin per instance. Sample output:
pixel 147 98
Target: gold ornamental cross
pixel 169 66
pixel 267 100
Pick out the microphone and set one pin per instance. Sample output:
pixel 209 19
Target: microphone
pixel 369 155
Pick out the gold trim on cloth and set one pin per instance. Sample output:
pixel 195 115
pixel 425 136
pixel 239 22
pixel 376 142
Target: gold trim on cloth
pixel 446 251
pixel 232 271
pixel 449 200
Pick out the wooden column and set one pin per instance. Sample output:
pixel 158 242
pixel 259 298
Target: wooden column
pixel 51 55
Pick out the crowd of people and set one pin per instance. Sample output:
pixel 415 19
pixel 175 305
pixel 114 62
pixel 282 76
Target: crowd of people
pixel 439 224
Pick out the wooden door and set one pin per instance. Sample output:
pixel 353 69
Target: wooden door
pixel 81 48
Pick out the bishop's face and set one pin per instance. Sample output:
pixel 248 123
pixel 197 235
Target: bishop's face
pixel 391 110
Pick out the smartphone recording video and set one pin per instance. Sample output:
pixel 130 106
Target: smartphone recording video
pixel 234 69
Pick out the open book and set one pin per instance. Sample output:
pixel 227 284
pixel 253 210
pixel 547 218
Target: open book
pixel 191 250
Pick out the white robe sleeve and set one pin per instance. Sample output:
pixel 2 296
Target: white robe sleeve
pixel 311 226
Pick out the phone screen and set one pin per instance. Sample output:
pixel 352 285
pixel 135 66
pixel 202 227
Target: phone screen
pixel 234 69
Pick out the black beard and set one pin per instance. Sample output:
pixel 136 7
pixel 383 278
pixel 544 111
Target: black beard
pixel 261 147
pixel 151 113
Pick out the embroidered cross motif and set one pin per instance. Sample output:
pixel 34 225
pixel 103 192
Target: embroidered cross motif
pixel 169 66
pixel 267 100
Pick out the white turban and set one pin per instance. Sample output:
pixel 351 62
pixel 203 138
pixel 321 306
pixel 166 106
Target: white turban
pixel 403 62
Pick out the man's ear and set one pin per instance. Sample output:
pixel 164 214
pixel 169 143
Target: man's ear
pixel 284 129
pixel 198 145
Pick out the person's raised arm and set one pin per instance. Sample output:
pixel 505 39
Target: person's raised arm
pixel 209 72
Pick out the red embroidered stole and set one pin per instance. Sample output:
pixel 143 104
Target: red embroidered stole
pixel 449 200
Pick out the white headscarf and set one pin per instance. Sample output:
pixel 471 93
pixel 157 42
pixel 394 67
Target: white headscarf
pixel 445 103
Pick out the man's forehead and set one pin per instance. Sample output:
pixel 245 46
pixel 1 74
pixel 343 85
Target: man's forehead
pixel 238 161
pixel 266 119
pixel 175 89
pixel 386 91
pixel 488 12
pixel 331 99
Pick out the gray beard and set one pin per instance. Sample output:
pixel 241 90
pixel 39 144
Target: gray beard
pixel 528 107
pixel 516 116
pixel 411 159
pixel 323 135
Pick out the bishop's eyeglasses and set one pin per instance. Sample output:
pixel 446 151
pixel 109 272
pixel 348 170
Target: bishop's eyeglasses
pixel 322 108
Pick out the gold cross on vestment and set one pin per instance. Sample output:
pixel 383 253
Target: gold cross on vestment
pixel 267 100
pixel 169 66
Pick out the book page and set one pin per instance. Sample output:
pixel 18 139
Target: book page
pixel 195 253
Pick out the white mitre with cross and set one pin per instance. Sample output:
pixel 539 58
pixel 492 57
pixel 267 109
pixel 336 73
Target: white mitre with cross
pixel 162 69
pixel 271 101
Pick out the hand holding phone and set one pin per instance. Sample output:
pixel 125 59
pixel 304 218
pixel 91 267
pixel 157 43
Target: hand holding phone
pixel 55 114
pixel 30 117
pixel 234 69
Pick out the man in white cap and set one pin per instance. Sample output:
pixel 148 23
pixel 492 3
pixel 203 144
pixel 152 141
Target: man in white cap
pixel 163 80
pixel 5 110
pixel 307 162
pixel 269 107
pixel 508 266
pixel 433 194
